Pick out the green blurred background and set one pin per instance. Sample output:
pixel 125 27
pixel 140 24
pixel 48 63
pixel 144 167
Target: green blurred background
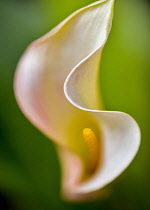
pixel 29 167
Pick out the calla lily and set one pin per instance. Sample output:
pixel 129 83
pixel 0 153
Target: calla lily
pixel 56 86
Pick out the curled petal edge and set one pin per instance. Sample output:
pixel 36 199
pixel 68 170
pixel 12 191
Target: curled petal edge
pixel 121 135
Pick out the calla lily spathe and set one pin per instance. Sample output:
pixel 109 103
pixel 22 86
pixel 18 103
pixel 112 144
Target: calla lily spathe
pixel 56 86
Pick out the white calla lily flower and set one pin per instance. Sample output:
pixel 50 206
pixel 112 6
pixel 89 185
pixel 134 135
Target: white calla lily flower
pixel 56 86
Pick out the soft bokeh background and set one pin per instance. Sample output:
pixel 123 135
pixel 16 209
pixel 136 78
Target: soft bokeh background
pixel 29 167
